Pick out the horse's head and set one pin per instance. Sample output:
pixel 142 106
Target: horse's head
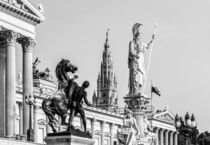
pixel 68 66
pixel 63 67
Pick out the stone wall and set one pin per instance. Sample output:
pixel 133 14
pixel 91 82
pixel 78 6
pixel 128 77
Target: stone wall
pixel 5 141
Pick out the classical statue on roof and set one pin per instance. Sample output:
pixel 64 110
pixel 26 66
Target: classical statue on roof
pixel 69 96
pixel 37 74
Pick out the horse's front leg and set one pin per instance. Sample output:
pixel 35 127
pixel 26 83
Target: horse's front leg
pixel 63 119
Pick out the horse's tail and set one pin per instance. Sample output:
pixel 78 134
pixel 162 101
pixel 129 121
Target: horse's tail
pixel 47 109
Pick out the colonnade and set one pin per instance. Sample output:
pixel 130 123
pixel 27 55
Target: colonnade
pixel 165 137
pixel 102 125
pixel 9 40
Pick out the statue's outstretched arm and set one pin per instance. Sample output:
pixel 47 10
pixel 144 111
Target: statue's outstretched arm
pixel 149 44
pixel 86 100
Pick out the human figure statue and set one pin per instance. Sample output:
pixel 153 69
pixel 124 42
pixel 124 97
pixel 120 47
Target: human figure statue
pixel 136 60
pixel 147 127
pixel 77 98
pixel 130 128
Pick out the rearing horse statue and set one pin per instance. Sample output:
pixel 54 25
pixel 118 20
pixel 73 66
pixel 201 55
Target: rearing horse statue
pixel 59 102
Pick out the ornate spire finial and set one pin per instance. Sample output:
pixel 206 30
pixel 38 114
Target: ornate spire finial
pixel 107 34
pixel 107 39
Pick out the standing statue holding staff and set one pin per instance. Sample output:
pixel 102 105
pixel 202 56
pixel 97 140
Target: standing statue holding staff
pixel 136 60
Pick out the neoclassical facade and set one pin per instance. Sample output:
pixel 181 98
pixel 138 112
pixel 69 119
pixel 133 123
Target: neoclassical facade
pixel 162 122
pixel 18 20
pixel 101 123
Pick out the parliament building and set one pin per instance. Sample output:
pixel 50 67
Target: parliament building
pixel 18 21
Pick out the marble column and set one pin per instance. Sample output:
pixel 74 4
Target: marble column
pixel 21 118
pixel 161 137
pixel 166 137
pixel 102 132
pixel 36 108
pixel 112 134
pixel 171 138
pixel 2 87
pixel 175 138
pixel 156 132
pixel 10 92
pixel 93 121
pixel 27 45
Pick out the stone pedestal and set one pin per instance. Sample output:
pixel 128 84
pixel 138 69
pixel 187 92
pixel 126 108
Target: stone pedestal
pixel 137 103
pixel 66 138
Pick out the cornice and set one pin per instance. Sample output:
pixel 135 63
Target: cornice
pixel 19 13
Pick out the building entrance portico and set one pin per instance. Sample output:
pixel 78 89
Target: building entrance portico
pixel 18 20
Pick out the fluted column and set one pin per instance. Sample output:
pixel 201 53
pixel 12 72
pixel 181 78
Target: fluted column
pixel 161 137
pixel 156 132
pixel 2 86
pixel 171 138
pixel 102 132
pixel 27 45
pixel 111 132
pixel 175 138
pixel 21 118
pixel 10 81
pixel 36 108
pixel 93 121
pixel 166 137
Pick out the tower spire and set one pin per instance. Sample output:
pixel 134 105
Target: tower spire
pixel 107 39
pixel 107 88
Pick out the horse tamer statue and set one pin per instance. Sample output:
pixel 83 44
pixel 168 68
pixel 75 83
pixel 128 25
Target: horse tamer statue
pixel 68 96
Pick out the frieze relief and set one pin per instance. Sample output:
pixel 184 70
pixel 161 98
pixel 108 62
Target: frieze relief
pixel 166 118
pixel 21 5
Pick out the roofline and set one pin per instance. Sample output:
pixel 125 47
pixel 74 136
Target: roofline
pixel 40 15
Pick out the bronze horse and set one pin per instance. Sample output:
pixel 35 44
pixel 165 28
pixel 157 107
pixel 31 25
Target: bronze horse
pixel 59 102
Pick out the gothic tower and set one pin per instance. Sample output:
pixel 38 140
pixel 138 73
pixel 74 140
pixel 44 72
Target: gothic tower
pixel 107 83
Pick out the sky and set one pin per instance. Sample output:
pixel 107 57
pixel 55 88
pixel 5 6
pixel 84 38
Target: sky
pixel 180 59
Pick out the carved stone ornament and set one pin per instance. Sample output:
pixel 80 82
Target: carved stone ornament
pixel 9 36
pixel 27 43
pixel 166 118
pixel 3 47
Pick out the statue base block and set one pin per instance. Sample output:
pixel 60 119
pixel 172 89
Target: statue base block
pixel 76 137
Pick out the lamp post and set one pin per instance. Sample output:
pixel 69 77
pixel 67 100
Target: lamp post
pixel 31 102
pixel 187 128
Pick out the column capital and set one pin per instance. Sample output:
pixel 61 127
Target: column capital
pixel 3 46
pixel 9 36
pixel 27 43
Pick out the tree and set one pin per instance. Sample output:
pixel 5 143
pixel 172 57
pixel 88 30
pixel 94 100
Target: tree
pixel 204 138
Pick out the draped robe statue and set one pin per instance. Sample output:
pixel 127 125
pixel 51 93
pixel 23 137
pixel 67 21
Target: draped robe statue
pixel 136 60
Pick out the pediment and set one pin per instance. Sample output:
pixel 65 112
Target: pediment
pixel 165 116
pixel 23 6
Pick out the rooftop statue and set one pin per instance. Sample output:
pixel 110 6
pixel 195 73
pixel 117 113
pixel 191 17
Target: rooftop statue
pixel 69 96
pixel 136 60
pixel 41 74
